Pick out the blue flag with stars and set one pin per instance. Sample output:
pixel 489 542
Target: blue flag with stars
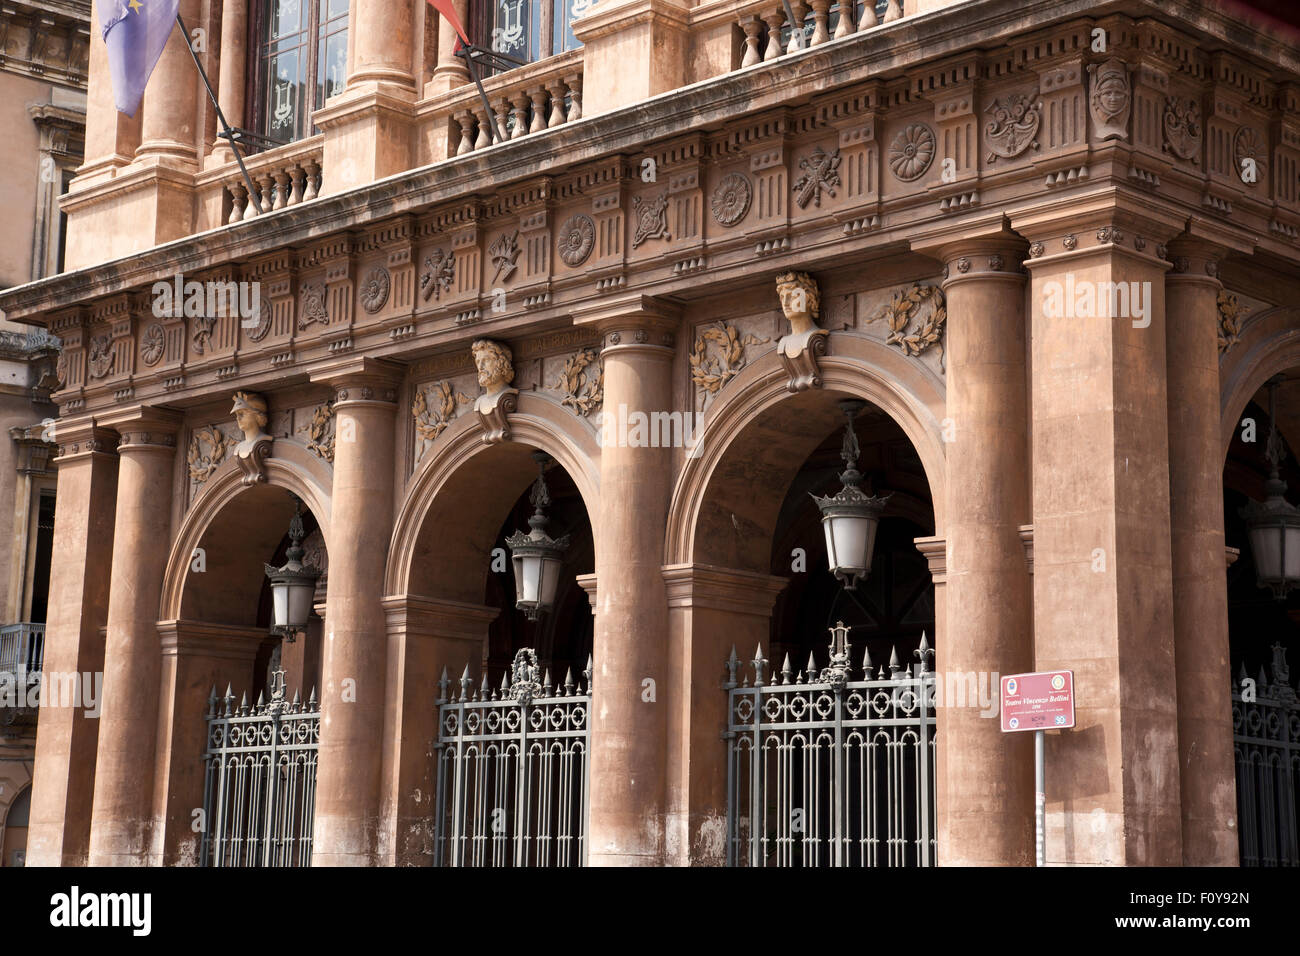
pixel 135 32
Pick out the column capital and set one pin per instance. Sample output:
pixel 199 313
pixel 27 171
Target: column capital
pixel 1106 225
pixel 633 322
pixel 143 427
pixel 362 380
pixel 82 437
pixel 935 551
pixel 984 249
pixel 413 615
pixel 198 639
pixel 722 589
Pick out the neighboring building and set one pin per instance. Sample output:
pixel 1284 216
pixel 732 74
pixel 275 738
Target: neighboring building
pixel 43 59
pixel 1051 251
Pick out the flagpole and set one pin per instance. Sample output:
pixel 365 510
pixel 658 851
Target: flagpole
pixel 226 132
pixel 487 107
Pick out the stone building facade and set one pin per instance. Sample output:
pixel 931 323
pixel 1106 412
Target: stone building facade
pixel 1053 245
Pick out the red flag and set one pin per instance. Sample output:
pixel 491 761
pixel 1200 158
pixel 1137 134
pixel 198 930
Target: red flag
pixel 449 14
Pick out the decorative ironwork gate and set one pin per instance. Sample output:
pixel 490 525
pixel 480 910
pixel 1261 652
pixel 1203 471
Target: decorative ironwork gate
pixel 827 771
pixel 259 790
pixel 1266 735
pixel 513 770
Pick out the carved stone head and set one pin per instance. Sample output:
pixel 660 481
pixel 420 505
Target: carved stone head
pixel 800 300
pixel 250 415
pixel 1111 99
pixel 494 363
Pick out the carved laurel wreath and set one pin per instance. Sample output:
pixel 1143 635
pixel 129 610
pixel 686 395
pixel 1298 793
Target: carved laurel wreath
pixel 1232 316
pixel 429 424
pixel 711 372
pixel 201 463
pixel 583 386
pixel 899 314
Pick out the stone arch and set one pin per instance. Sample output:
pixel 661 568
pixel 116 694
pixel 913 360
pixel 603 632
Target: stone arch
pixel 756 420
pixel 437 548
pixel 1270 343
pixel 238 526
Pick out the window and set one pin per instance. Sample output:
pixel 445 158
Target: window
pixel 302 60
pixel 528 30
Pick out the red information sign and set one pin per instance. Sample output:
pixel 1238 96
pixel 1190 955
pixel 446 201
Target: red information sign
pixel 1042 701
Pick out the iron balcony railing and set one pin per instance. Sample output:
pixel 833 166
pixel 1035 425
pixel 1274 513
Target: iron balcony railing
pixel 1266 737
pixel 513 770
pixel 827 771
pixel 22 651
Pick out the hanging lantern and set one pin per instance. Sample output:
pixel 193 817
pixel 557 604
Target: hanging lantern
pixel 537 558
pixel 293 586
pixel 850 518
pixel 1274 525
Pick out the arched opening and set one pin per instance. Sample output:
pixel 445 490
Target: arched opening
pixel 827 762
pixel 1262 629
pixel 13 839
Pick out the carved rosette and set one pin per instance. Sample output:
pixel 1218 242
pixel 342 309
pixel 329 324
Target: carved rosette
pixel 1249 153
pixel 912 152
pixel 374 291
pixel 799 351
pixel 102 356
pixel 263 327
pixel 582 380
pixel 928 331
pixel 439 274
pixel 820 173
pixel 1014 125
pixel 651 218
pixel 152 344
pixel 731 199
pixel 1111 100
pixel 1182 125
pixel 576 239
pixel 718 356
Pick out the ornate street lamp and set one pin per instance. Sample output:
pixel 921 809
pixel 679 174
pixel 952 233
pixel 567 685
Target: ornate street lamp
pixel 1274 525
pixel 537 557
pixel 293 586
pixel 850 518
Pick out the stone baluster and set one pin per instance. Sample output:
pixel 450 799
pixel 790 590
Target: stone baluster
pixel 520 112
pixel 484 130
pixel 313 182
pixel 821 21
pixel 797 41
pixel 557 90
pixel 297 175
pixel 869 18
pixel 267 182
pixel 539 111
pixel 502 107
pixel 774 20
pixel 894 10
pixel 574 83
pixel 238 194
pixel 845 26
pixel 466 120
pixel 281 198
pixel 752 26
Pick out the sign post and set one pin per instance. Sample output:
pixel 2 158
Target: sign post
pixel 1038 702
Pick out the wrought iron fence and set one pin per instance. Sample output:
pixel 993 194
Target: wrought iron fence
pixel 1266 735
pixel 827 771
pixel 513 769
pixel 259 792
pixel 22 650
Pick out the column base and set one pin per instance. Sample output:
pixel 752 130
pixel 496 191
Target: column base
pixel 139 206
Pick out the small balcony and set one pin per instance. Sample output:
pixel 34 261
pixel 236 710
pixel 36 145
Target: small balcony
pixel 22 652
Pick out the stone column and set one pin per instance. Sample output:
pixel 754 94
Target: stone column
pixel 353 694
pixel 64 775
pixel 122 817
pixel 986 816
pixel 196 657
pixel 168 131
pixel 1200 584
pixel 450 71
pixel 383 36
pixel 630 703
pixel 233 75
pixel 424 636
pixel 1103 592
pixel 111 137
pixel 710 610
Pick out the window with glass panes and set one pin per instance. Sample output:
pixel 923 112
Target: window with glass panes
pixel 527 30
pixel 302 60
